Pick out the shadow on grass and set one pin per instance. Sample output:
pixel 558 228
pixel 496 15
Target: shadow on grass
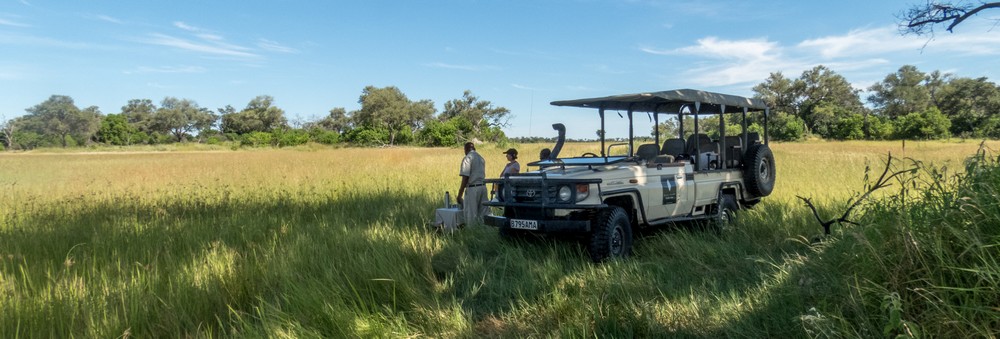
pixel 184 267
pixel 368 265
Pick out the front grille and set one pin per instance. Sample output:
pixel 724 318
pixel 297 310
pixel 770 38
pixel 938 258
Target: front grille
pixel 534 193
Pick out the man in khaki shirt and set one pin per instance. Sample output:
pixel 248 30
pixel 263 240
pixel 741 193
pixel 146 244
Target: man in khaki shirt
pixel 473 172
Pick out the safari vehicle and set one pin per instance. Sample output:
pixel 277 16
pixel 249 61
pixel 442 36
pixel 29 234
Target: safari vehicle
pixel 604 197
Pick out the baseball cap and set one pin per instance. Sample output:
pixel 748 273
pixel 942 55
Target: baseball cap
pixel 511 151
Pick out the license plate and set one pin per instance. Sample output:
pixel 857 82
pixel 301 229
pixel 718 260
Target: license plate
pixel 524 224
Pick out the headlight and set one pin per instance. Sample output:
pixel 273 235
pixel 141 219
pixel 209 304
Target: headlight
pixel 565 193
pixel 582 191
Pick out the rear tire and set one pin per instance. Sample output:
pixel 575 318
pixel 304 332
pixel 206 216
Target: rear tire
pixel 611 236
pixel 758 170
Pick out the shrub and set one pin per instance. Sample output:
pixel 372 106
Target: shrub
pixel 929 124
pixel 438 133
pixel 787 127
pixel 324 136
pixel 258 139
pixel 290 137
pixel 368 136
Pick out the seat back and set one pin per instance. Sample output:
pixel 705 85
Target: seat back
pixel 648 151
pixel 673 147
pixel 734 150
pixel 754 138
pixel 698 139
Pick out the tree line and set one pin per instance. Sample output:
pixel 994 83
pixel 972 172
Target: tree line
pixel 906 104
pixel 386 117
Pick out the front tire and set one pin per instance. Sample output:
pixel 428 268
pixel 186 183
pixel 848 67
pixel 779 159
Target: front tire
pixel 611 236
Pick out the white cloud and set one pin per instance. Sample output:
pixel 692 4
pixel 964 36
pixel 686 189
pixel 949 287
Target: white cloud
pixel 473 68
pixel 109 19
pixel 719 62
pixel 274 46
pixel 11 23
pixel 207 47
pixel 167 69
pixel 527 88
pixel 31 40
pixel 186 27
pixel 607 69
pixel 741 61
pixel 876 41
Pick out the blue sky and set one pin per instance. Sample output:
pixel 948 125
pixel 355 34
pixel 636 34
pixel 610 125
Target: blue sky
pixel 312 56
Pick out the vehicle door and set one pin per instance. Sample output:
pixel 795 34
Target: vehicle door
pixel 670 195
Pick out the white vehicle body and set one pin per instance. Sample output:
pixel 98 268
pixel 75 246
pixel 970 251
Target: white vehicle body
pixel 606 196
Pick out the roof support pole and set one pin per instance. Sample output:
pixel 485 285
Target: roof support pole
pixel 656 126
pixel 680 122
pixel 746 139
pixel 697 143
pixel 722 137
pixel 631 133
pixel 601 111
pixel 767 111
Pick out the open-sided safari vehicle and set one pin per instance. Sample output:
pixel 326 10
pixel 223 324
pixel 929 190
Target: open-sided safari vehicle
pixel 604 197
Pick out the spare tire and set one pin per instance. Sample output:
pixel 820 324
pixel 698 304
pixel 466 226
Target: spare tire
pixel 758 170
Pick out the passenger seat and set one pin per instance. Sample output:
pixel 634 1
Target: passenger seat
pixel 673 147
pixel 648 152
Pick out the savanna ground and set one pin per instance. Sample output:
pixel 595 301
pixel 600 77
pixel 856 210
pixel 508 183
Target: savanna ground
pixel 320 242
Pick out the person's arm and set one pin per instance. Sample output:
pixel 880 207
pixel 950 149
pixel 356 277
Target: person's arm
pixel 461 190
pixel 464 170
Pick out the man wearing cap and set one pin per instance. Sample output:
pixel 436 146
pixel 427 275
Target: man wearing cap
pixel 473 172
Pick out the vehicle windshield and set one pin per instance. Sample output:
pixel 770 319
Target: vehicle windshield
pixel 579 161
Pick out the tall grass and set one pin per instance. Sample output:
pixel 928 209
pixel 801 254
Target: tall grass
pixel 316 242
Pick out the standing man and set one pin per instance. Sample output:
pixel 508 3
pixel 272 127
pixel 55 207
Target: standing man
pixel 473 172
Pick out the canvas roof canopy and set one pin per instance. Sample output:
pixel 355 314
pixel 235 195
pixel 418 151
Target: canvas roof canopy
pixel 672 101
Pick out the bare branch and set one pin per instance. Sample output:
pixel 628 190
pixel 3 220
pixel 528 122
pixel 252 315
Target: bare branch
pixel 921 19
pixel 971 13
pixel 881 182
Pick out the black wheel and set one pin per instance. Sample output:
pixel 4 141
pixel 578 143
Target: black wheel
pixel 589 154
pixel 611 236
pixel 724 213
pixel 758 171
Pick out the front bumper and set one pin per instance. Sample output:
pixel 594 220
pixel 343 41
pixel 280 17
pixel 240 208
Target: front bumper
pixel 544 226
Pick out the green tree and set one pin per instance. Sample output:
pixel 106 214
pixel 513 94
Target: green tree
pixel 480 114
pixel 440 133
pixel 61 120
pixel 821 85
pixel 928 124
pixel 969 103
pixel 337 121
pixel 7 130
pixel 813 103
pixel 181 117
pixel 260 115
pixel 901 93
pixel 388 109
pixel 116 130
pixel 779 93
pixel 139 113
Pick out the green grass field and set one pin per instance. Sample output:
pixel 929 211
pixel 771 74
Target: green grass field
pixel 320 242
